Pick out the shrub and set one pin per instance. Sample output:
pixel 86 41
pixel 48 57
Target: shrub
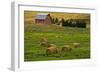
pixel 74 23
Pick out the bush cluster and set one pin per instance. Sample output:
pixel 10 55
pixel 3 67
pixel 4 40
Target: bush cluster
pixel 70 22
pixel 74 23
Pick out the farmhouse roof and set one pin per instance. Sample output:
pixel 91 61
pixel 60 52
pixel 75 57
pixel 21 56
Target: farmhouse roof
pixel 41 16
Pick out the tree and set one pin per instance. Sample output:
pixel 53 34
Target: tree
pixel 63 22
pixel 52 20
pixel 56 20
pixel 81 24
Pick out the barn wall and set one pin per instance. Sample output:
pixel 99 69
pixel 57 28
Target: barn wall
pixel 37 21
pixel 48 20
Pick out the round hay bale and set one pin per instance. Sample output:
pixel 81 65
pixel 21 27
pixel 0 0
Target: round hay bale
pixel 44 42
pixel 66 48
pixel 76 45
pixel 51 50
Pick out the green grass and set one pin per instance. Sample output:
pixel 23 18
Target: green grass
pixel 66 35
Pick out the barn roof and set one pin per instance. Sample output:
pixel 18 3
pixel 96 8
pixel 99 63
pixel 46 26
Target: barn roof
pixel 41 16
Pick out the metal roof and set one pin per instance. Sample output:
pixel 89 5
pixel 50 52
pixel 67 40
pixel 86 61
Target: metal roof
pixel 41 16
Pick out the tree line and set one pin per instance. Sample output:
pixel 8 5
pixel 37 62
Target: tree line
pixel 70 22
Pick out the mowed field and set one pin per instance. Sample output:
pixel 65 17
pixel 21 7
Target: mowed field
pixel 58 36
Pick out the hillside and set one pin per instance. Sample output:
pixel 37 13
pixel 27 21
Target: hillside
pixel 29 16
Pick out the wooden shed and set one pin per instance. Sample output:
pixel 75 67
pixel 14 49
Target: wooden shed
pixel 43 18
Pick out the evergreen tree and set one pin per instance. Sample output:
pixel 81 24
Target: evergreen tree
pixel 52 20
pixel 56 20
pixel 62 21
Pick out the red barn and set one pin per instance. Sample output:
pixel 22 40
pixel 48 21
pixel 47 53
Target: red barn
pixel 43 18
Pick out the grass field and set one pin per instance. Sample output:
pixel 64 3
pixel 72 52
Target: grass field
pixel 66 35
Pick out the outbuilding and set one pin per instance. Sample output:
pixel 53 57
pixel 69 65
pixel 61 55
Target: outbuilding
pixel 43 18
